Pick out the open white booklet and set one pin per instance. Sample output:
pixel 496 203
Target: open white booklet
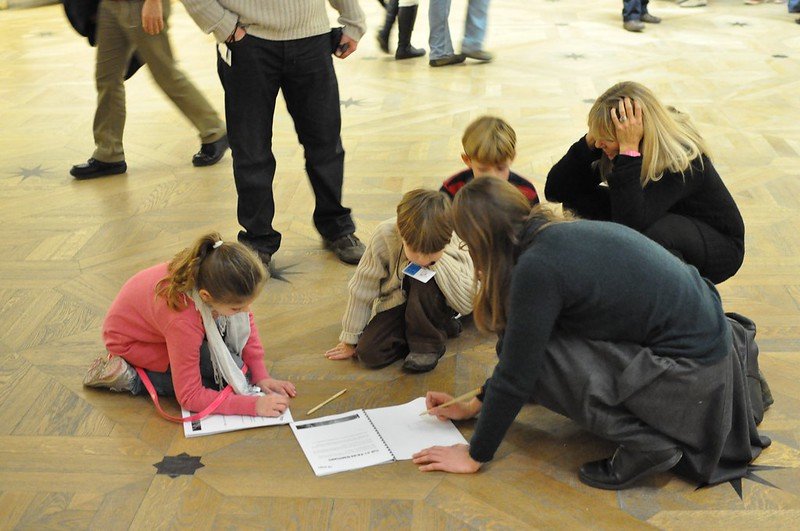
pixel 366 437
pixel 221 423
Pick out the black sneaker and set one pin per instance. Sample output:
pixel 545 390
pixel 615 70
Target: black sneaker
pixel 348 248
pixel 97 168
pixel 421 362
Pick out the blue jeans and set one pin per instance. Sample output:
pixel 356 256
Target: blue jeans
pixel 633 9
pixel 794 6
pixel 474 27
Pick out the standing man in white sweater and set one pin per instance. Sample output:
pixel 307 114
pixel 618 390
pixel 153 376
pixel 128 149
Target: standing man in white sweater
pixel 284 45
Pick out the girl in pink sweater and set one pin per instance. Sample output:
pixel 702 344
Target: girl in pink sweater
pixel 188 325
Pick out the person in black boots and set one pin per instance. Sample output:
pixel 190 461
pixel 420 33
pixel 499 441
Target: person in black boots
pixel 405 12
pixel 602 325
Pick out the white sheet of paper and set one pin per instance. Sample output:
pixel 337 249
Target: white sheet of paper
pixel 221 423
pixel 406 432
pixel 340 442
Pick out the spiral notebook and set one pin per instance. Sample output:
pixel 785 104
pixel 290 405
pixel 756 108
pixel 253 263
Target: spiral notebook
pixel 366 437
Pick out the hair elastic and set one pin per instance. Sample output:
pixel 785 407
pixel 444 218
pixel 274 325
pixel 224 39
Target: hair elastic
pixel 217 243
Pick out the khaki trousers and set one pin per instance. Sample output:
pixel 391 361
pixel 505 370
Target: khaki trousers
pixel 119 34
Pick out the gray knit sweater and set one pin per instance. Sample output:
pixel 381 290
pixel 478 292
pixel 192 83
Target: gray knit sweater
pixel 275 20
pixel 376 285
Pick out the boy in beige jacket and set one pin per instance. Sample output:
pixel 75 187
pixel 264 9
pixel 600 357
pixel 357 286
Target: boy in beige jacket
pixel 391 315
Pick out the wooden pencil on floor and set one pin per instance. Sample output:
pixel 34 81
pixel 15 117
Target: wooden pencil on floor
pixel 334 397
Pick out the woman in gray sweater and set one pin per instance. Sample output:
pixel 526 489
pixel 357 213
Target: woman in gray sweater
pixel 604 326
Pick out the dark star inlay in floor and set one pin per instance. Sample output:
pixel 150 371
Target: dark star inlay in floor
pixel 179 465
pixel 350 101
pixel 279 273
pixel 739 24
pixel 750 474
pixel 780 56
pixel 574 56
pixel 38 171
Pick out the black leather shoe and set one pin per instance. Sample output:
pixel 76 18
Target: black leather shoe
pixel 97 168
pixel 626 467
pixel 408 52
pixel 211 153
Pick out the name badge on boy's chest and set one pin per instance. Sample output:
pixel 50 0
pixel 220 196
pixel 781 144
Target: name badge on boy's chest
pixel 416 271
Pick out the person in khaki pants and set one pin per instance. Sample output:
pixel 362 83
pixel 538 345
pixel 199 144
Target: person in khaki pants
pixel 125 26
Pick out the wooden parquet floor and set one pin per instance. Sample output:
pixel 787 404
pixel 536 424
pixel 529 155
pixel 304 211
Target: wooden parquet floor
pixel 77 458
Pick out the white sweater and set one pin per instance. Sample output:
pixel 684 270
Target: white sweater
pixel 377 283
pixel 275 20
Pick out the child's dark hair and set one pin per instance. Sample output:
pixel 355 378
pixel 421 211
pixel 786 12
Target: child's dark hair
pixel 231 272
pixel 424 220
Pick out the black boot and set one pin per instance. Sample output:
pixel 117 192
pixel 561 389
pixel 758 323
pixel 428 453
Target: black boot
pixel 391 15
pixel 406 17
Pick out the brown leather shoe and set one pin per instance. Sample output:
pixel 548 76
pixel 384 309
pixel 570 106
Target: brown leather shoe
pixel 633 25
pixel 348 248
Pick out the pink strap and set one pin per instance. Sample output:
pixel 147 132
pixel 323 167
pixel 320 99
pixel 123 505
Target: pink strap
pixel 197 416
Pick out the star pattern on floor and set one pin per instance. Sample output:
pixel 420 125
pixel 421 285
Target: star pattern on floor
pixel 280 273
pixel 574 56
pixel 739 24
pixel 749 474
pixel 178 465
pixel 38 171
pixel 350 102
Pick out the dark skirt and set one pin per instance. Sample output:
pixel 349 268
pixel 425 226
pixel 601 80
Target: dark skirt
pixel 629 395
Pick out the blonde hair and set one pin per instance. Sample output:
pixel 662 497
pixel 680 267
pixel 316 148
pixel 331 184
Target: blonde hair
pixel 490 215
pixel 490 140
pixel 670 141
pixel 424 220
pixel 231 272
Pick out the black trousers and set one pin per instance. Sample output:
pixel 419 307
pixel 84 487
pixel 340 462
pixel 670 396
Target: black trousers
pixel 419 325
pixel 717 257
pixel 302 70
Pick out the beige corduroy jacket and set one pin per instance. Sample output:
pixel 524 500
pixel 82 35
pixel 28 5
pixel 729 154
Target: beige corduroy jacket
pixel 376 285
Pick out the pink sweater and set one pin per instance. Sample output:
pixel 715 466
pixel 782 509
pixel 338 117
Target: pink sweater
pixel 142 329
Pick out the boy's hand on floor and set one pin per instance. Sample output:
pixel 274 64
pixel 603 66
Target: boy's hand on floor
pixel 342 351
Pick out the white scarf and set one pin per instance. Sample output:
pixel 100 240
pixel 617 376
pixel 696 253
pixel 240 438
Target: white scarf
pixel 226 352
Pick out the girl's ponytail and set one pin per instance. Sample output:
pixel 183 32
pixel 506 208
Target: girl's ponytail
pixel 230 272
